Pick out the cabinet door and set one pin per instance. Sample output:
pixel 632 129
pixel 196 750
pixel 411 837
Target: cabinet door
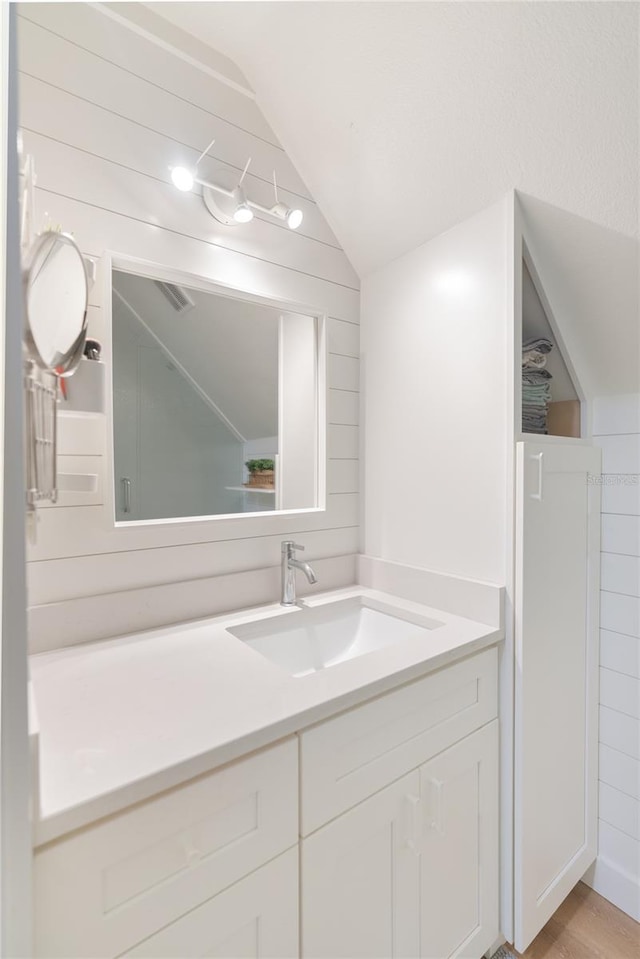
pixel 361 879
pixel 459 862
pixel 346 759
pixel 257 917
pixel 556 676
pixel 100 890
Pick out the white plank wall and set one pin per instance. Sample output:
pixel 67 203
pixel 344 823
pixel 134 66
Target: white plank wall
pixel 616 875
pixel 105 113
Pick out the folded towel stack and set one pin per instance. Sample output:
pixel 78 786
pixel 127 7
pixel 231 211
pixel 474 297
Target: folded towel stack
pixel 536 388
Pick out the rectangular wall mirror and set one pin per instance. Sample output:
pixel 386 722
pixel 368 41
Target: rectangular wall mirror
pixel 217 402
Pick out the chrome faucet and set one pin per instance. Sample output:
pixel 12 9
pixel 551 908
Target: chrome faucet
pixel 289 565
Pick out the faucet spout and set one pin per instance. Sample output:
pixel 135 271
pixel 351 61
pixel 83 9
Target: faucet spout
pixel 288 567
pixel 306 569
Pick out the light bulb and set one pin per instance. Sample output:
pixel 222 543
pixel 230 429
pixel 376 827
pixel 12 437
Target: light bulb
pixel 182 178
pixel 294 219
pixel 243 212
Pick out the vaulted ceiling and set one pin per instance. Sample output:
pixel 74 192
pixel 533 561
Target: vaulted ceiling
pixel 405 118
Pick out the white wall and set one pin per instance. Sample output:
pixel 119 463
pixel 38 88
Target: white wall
pixel 437 417
pixel 106 112
pixel 616 875
pixel 434 430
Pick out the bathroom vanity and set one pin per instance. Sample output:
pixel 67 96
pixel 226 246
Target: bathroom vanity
pixel 350 809
pixel 213 788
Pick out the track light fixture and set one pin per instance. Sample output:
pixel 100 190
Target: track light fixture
pixel 184 178
pixel 240 210
pixel 292 217
pixel 243 212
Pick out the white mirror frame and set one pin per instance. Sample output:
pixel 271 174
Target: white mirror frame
pixel 114 261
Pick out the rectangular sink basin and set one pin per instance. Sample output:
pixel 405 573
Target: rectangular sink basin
pixel 314 638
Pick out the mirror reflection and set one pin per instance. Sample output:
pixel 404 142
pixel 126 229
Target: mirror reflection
pixel 215 403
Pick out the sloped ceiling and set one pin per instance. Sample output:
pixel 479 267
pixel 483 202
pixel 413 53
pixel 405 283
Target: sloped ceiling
pixel 590 276
pixel 406 118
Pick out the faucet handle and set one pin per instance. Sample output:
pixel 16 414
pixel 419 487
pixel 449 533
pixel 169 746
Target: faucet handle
pixel 288 546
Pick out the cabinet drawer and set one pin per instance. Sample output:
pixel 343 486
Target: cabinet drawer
pixel 257 918
pixel 348 758
pixel 108 887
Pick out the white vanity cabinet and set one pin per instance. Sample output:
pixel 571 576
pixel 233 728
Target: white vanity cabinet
pixel 256 918
pixel 459 849
pixel 103 890
pixel 361 879
pixel 394 853
pixel 412 870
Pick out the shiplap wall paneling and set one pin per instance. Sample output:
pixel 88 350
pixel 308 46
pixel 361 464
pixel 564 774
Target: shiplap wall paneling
pixel 106 112
pixel 619 692
pixel 97 229
pixel 66 172
pixel 54 112
pixel 620 731
pixel 616 875
pixel 618 807
pixel 620 770
pixel 119 74
pixel 65 532
pixel 344 338
pixel 343 407
pixel 55 580
pixel 620 653
pixel 88 618
pixel 620 533
pixel 87 533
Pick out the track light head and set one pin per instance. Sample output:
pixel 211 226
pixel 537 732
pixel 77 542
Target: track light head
pixel 182 178
pixel 294 219
pixel 243 212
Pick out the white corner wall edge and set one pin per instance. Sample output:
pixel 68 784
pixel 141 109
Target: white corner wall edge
pixel 615 885
pixel 15 785
pixel 34 740
pixel 471 599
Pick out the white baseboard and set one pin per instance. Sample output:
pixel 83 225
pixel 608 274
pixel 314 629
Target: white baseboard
pixel 615 885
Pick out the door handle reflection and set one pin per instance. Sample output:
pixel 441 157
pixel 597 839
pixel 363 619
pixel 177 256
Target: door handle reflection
pixel 125 482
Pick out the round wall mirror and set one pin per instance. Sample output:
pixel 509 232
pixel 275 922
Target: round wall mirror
pixel 56 294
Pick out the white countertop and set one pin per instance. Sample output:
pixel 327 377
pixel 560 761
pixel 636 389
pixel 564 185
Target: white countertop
pixel 123 719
